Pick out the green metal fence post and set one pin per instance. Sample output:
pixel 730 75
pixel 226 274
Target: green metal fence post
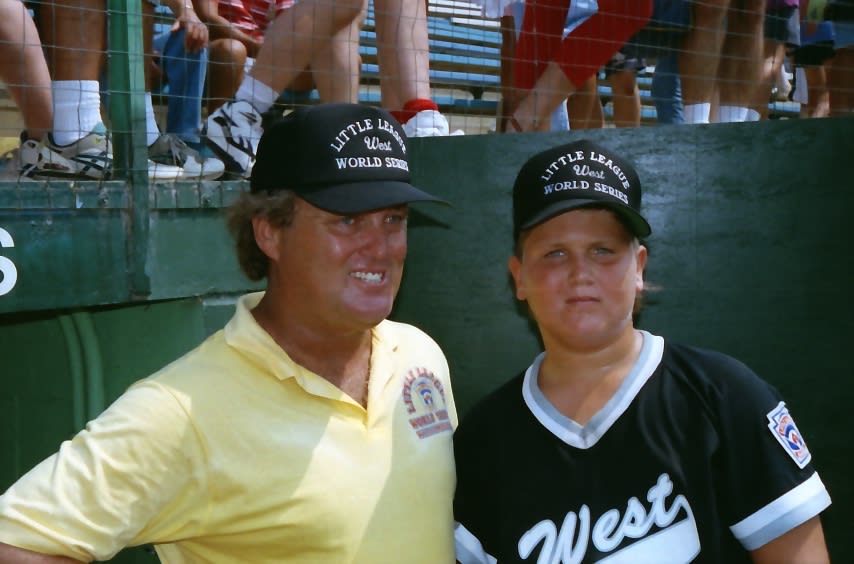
pixel 127 117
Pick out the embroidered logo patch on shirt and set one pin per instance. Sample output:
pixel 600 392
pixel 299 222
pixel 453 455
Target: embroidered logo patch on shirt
pixel 783 428
pixel 424 397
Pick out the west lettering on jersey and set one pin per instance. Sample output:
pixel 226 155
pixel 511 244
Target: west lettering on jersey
pixel 611 529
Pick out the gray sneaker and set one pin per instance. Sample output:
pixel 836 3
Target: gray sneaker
pixel 171 151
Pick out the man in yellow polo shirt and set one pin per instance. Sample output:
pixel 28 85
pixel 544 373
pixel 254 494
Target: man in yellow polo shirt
pixel 311 428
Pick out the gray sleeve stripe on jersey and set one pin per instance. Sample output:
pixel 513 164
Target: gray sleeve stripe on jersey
pixel 783 514
pixel 469 550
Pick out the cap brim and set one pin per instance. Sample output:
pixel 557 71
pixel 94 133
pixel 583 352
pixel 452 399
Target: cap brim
pixel 360 197
pixel 638 224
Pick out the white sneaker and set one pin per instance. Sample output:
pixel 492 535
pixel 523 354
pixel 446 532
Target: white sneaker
pixel 90 157
pixel 170 151
pixel 34 160
pixel 233 131
pixel 11 167
pixel 429 123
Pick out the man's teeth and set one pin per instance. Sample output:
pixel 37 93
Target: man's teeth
pixel 368 276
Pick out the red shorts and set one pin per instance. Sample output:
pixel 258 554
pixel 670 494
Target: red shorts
pixel 586 49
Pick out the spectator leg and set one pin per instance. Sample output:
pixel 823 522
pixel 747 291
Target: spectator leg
pixel 699 58
pixel 667 90
pixel 297 35
pixel 774 54
pixel 840 82
pixel 626 98
pixel 741 58
pixel 227 59
pixel 585 108
pixel 336 67
pixel 23 68
pixel 818 103
pixel 185 73
pixel 402 51
pixel 74 33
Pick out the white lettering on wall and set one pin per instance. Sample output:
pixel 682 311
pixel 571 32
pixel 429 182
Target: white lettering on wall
pixel 8 272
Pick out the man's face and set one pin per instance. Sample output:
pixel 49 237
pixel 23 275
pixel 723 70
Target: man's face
pixel 342 272
pixel 580 273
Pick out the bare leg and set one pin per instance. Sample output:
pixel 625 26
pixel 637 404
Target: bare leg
pixel 226 59
pixel 582 107
pixel 771 65
pixel 819 97
pixel 626 96
pixel 402 51
pixel 741 56
pixel 509 94
pixel 840 82
pixel 337 66
pixel 74 32
pixel 700 54
pixel 532 113
pixel 23 68
pixel 297 35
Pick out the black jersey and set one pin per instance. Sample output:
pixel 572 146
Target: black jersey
pixel 694 459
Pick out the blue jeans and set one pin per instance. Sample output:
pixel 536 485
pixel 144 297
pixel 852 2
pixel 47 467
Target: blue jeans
pixel 667 90
pixel 185 78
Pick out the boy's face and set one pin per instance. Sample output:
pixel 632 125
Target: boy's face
pixel 580 273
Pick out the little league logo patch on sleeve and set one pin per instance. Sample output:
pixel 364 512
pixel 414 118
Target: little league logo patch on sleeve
pixel 783 428
pixel 424 398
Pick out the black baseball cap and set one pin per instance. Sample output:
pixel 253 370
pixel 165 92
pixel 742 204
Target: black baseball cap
pixel 576 175
pixel 342 158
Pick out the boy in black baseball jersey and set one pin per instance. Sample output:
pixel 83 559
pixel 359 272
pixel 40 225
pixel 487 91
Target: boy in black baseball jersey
pixel 614 445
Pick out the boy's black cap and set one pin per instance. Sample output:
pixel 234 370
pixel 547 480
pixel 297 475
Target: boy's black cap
pixel 576 175
pixel 342 158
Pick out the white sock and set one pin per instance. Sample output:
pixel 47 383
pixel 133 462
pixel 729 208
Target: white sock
pixel 731 114
pixel 697 113
pixel 76 109
pixel 152 130
pixel 256 93
pixel 752 115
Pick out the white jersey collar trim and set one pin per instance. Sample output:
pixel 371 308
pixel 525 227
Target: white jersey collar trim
pixel 585 436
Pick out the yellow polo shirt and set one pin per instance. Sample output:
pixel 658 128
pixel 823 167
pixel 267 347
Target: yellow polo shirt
pixel 234 453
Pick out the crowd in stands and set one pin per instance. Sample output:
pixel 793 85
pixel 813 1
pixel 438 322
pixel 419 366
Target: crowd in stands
pixel 224 64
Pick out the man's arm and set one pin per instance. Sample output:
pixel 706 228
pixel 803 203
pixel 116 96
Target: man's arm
pixel 13 555
pixel 802 545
